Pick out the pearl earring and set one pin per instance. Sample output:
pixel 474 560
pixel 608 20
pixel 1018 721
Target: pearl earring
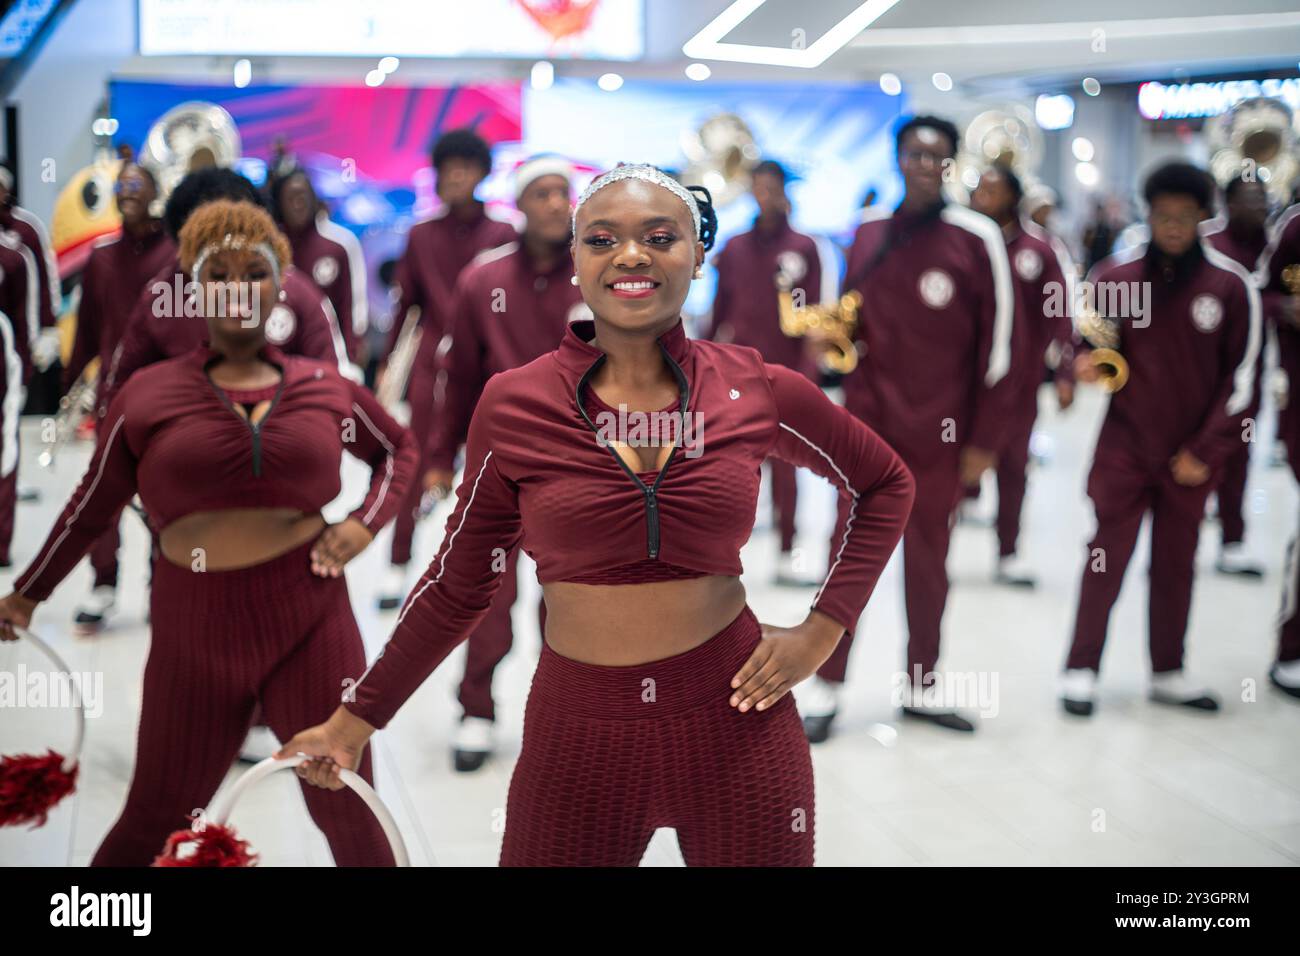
pixel 573 280
pixel 699 273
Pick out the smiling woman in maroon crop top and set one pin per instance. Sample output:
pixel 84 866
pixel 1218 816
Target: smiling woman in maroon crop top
pixel 659 700
pixel 234 449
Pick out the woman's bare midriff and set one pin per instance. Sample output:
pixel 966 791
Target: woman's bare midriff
pixel 237 537
pixel 616 625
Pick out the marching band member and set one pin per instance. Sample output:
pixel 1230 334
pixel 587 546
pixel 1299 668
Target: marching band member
pixel 1279 276
pixel 437 249
pixel 234 447
pixel 1045 279
pixel 31 232
pixel 328 253
pixel 935 381
pixel 659 699
pixel 511 305
pixel 302 322
pixel 1242 238
pixel 1193 352
pixel 745 312
pixel 113 279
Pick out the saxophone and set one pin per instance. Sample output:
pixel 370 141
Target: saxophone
pixel 830 326
pixel 1103 335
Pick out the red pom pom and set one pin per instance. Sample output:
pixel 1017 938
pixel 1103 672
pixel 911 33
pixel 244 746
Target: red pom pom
pixel 214 845
pixel 30 786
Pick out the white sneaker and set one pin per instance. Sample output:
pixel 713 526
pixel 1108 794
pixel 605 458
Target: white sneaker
pixel 818 698
pixel 1175 687
pixel 392 590
pixel 92 612
pixel 789 574
pixel 1233 559
pixel 1287 674
pixel 472 743
pixel 258 745
pixel 1016 571
pixel 1079 690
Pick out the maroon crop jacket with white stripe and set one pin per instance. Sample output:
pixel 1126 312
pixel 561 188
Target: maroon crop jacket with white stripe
pixel 536 473
pixel 173 435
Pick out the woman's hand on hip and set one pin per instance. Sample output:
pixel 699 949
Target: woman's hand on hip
pixel 337 744
pixel 784 657
pixel 337 545
pixel 15 611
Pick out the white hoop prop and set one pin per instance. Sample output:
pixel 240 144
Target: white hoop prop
pixel 74 757
pixel 226 802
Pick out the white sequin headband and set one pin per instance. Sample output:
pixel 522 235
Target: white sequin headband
pixel 647 174
pixel 236 241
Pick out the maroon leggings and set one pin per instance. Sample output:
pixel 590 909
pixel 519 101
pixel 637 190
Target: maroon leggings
pixel 612 753
pixel 223 642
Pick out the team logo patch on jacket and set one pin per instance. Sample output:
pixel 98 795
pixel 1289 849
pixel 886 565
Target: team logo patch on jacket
pixel 936 288
pixel 1029 264
pixel 280 325
pixel 792 265
pixel 325 271
pixel 1207 312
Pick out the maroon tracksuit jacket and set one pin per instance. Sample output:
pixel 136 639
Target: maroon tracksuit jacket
pixel 1045 281
pixel 302 323
pixel 936 340
pixel 1283 252
pixel 1231 492
pixel 111 284
pixel 331 255
pixel 1192 385
pixel 437 249
pixel 745 312
pixel 505 314
pixel 31 232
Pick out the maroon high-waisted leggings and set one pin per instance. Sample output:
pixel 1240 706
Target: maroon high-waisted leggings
pixel 612 753
pixel 223 642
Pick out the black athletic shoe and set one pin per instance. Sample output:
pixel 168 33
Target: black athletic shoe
pixel 949 719
pixel 389 603
pixel 818 729
pixel 1079 708
pixel 467 761
pixel 1206 703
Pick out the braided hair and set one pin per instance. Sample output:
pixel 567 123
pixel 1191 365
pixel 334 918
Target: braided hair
pixel 708 215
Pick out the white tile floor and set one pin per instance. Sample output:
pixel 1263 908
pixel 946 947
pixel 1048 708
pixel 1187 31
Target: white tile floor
pixel 1138 784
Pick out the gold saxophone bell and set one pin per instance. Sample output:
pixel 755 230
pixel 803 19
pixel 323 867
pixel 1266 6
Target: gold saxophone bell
pixel 1103 335
pixel 832 326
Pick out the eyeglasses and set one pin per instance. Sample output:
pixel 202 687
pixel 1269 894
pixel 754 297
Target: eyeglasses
pixel 1187 220
pixel 130 187
pixel 918 157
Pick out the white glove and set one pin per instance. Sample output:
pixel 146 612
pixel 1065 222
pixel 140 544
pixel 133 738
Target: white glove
pixel 45 350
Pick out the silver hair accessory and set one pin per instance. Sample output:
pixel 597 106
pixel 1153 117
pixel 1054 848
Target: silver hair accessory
pixel 644 173
pixel 230 241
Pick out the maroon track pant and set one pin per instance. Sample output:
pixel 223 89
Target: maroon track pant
pixel 1288 636
pixel 419 396
pixel 223 642
pixel 1232 496
pixel 1123 489
pixel 925 571
pixel 1013 464
pixel 612 753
